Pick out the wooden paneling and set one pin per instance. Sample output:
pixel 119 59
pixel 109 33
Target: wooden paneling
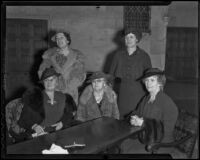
pixel 25 38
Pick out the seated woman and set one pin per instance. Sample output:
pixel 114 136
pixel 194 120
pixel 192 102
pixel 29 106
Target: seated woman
pixel 46 110
pixel 97 99
pixel 155 106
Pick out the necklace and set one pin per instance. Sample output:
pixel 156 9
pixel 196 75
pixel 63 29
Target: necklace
pixel 98 96
pixel 52 102
pixel 51 98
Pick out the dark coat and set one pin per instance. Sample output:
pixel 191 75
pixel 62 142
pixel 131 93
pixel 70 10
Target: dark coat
pixel 33 110
pixel 162 109
pixel 130 69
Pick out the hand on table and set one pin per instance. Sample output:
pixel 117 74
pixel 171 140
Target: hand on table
pixel 58 125
pixel 136 121
pixel 38 129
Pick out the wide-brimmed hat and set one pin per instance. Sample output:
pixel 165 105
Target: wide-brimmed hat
pixel 98 75
pixel 137 33
pixel 151 72
pixel 48 72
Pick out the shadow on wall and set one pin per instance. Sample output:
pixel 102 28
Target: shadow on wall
pixel 35 67
pixel 50 35
pixel 119 41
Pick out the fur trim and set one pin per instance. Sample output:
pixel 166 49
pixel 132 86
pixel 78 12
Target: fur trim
pixel 33 98
pixel 87 93
pixel 48 53
pixel 110 94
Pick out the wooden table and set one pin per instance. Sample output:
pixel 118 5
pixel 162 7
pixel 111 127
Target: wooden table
pixel 98 135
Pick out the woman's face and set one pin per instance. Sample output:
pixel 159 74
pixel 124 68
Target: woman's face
pixel 130 40
pixel 152 84
pixel 50 83
pixel 98 84
pixel 61 40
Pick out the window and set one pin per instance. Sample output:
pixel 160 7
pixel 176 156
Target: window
pixel 137 17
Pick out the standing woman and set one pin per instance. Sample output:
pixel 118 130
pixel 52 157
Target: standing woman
pixel 129 65
pixel 66 61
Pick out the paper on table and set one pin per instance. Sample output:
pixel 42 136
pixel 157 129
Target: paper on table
pixel 55 149
pixel 36 135
pixel 75 145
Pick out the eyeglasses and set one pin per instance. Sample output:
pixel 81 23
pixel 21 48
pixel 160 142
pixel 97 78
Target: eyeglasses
pixel 98 80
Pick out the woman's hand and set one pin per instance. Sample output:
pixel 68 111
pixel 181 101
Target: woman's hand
pixel 38 129
pixel 58 125
pixel 136 121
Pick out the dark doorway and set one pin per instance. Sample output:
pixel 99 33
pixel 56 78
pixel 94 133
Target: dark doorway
pixel 25 43
pixel 182 53
pixel 181 67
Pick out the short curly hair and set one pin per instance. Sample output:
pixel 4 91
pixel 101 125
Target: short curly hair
pixel 138 34
pixel 66 34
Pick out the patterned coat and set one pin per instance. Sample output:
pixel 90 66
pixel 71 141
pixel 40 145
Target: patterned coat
pixel 88 108
pixel 71 67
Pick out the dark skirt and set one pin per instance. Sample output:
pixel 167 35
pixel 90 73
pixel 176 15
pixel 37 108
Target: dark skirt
pixel 130 93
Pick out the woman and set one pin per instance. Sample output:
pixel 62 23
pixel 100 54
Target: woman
pixel 66 61
pixel 47 109
pixel 97 100
pixel 156 106
pixel 129 65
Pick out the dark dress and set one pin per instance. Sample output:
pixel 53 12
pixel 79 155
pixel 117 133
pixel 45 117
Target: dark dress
pixel 162 109
pixel 129 69
pixel 37 110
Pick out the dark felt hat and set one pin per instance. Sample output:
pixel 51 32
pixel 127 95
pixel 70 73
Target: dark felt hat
pixel 48 72
pixel 137 33
pixel 99 74
pixel 151 72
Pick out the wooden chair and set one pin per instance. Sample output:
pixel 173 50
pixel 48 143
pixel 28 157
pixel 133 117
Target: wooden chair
pixel 13 112
pixel 185 135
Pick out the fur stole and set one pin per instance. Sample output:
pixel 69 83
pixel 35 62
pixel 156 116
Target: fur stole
pixel 33 98
pixel 50 52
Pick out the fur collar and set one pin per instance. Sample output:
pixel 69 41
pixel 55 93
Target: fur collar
pixel 87 94
pixel 33 98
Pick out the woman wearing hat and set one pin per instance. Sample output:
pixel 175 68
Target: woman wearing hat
pixel 156 106
pixel 46 109
pixel 66 61
pixel 129 65
pixel 97 100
